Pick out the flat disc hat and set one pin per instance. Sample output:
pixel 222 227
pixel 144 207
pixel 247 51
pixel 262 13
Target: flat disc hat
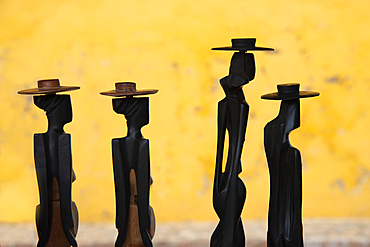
pixel 128 89
pixel 248 44
pixel 289 91
pixel 48 86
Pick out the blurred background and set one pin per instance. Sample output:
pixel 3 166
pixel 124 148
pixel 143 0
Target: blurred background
pixel 166 45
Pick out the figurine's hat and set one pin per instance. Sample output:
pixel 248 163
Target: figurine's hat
pixel 289 91
pixel 48 86
pixel 128 89
pixel 243 45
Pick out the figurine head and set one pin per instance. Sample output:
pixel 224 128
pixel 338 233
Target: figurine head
pixel 136 110
pixel 289 94
pixel 243 65
pixel 242 70
pixel 58 108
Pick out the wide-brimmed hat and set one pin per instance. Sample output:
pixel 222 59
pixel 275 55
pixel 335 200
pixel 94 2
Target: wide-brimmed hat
pixel 243 45
pixel 128 89
pixel 289 91
pixel 48 86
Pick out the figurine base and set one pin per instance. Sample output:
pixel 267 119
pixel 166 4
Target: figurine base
pixel 133 237
pixel 57 236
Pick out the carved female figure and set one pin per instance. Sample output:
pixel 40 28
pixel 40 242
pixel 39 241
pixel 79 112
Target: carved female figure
pixel 229 192
pixel 132 169
pixel 56 215
pixel 285 208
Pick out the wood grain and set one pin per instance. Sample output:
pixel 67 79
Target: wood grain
pixel 133 237
pixel 57 236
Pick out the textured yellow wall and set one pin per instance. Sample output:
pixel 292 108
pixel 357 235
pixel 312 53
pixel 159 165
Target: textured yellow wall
pixel 166 45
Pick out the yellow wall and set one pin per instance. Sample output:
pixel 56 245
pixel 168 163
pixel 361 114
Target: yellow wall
pixel 166 45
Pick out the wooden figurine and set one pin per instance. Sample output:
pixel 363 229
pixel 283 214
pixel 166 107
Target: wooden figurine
pixel 56 215
pixel 284 161
pixel 229 192
pixel 134 216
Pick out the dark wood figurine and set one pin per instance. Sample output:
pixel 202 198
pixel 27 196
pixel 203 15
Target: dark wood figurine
pixel 134 217
pixel 229 192
pixel 56 215
pixel 285 227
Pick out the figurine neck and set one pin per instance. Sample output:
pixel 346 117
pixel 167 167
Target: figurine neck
pixel 289 115
pixel 232 92
pixel 55 126
pixel 133 130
